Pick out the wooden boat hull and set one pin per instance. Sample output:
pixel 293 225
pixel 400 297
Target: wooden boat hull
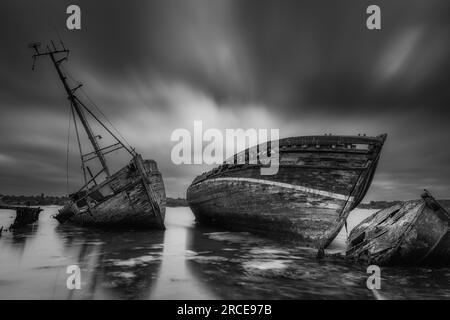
pixel 122 201
pixel 264 207
pixel 317 184
pixel 25 216
pixel 415 232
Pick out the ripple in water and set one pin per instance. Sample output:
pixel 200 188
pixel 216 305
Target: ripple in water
pixel 189 261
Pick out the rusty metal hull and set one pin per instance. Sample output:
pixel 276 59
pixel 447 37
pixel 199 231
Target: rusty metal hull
pixel 121 202
pixel 319 180
pixel 412 233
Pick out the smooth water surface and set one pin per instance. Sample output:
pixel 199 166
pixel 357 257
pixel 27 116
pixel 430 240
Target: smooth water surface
pixel 188 261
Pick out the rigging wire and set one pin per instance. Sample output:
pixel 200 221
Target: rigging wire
pixel 99 110
pixel 106 118
pixel 79 142
pixel 68 149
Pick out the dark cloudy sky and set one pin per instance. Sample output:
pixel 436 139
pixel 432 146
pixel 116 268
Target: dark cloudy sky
pixel 306 67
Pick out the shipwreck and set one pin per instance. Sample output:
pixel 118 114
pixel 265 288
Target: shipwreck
pixel 410 233
pixel 133 196
pixel 320 179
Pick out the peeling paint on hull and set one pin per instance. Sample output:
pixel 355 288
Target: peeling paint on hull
pixel 318 182
pixel 412 233
pixel 127 207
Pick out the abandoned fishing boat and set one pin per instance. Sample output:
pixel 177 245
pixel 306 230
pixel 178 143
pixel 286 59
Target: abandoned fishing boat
pixel 320 179
pixel 133 196
pixel 409 233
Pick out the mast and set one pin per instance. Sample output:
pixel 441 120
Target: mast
pixel 52 53
pixel 80 113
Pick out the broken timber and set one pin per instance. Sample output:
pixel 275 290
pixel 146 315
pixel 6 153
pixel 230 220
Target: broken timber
pixel 410 233
pixel 24 215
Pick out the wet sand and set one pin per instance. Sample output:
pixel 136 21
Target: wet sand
pixel 189 261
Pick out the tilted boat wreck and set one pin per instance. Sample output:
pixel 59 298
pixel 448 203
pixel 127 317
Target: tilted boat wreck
pixel 25 215
pixel 134 196
pixel 320 179
pixel 410 233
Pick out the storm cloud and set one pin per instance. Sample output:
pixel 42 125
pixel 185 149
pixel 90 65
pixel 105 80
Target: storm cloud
pixel 305 67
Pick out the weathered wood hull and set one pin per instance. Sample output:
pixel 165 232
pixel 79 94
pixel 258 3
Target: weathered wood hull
pixel 412 233
pixel 123 201
pixel 317 184
pixel 25 216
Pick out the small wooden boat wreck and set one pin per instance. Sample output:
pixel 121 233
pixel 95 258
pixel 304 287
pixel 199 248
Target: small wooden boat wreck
pixel 25 215
pixel 132 197
pixel 320 179
pixel 410 233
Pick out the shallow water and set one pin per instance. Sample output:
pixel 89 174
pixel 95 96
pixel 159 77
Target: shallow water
pixel 188 261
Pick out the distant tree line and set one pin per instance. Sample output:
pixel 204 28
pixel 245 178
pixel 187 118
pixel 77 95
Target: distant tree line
pixel 38 200
pixel 178 202
pixel 387 204
pixel 378 204
pixel 43 200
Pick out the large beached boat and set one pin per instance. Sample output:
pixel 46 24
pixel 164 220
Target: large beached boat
pixel 133 196
pixel 320 179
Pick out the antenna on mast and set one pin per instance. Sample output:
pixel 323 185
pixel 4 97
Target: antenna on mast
pixel 54 54
pixel 57 56
pixel 35 46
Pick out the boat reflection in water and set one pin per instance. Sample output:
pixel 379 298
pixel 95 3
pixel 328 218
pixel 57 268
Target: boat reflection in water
pixel 19 236
pixel 189 261
pixel 239 265
pixel 114 265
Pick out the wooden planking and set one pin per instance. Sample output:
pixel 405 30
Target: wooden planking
pixel 333 180
pixel 404 234
pixel 319 180
pixel 268 209
pixel 295 166
pixel 330 140
pixel 279 184
pixel 151 196
pixel 345 145
pixel 340 160
pixel 129 206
